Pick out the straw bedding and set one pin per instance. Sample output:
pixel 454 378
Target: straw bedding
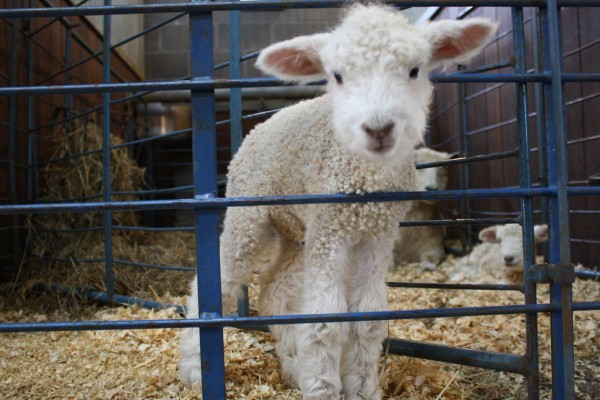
pixel 142 364
pixel 56 254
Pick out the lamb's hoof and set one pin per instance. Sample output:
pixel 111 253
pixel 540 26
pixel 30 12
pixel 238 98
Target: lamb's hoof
pixel 190 376
pixel 287 372
pixel 321 390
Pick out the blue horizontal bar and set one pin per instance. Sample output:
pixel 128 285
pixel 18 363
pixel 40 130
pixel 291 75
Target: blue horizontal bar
pixel 155 229
pixel 156 191
pixel 115 147
pixel 489 67
pixel 262 5
pixel 213 202
pixel 246 57
pixel 583 190
pixel 473 358
pixel 587 274
pixel 118 227
pixel 121 262
pixel 458 286
pixel 465 160
pixel 210 84
pixel 116 299
pixel 100 53
pixel 154 266
pixel 457 222
pixel 214 321
pixel 250 116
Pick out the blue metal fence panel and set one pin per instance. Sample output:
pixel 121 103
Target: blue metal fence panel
pixel 547 75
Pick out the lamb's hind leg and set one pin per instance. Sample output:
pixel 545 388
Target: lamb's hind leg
pixel 368 292
pixel 245 234
pixel 281 294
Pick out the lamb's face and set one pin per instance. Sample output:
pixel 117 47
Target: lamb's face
pixel 510 239
pixel 377 79
pixel 377 66
pixel 511 246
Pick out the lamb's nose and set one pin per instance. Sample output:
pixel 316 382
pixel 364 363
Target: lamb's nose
pixel 379 132
pixel 508 259
pixel 431 188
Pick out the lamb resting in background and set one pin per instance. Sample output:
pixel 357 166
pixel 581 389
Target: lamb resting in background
pixel 358 138
pixel 424 244
pixel 499 256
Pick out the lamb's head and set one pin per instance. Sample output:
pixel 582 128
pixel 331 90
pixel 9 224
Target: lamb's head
pixel 377 66
pixel 510 238
pixel 431 179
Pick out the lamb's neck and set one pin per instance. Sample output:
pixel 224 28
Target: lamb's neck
pixel 350 173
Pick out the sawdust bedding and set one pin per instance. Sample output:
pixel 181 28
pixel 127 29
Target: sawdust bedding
pixel 142 364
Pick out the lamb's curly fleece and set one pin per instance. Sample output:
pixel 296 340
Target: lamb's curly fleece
pixel 315 163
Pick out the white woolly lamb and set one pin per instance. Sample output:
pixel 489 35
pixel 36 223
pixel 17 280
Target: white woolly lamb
pixel 358 138
pixel 498 257
pixel 424 244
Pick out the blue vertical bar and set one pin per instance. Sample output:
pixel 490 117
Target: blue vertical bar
pixel 31 142
pixel 12 140
pixel 532 349
pixel 108 255
pixel 465 168
pixel 235 114
pixel 207 221
pixel 540 114
pixel 69 96
pixel 235 99
pixel 558 207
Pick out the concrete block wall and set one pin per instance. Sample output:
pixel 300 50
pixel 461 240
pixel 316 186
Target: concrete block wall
pixel 167 55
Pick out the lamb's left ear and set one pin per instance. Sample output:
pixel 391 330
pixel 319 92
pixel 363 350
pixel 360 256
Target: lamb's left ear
pixel 454 42
pixel 295 60
pixel 489 235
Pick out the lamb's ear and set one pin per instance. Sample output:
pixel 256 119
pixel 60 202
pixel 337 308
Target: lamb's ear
pixel 454 42
pixel 295 60
pixel 489 235
pixel 540 233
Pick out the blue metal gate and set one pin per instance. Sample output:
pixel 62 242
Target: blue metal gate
pixel 558 273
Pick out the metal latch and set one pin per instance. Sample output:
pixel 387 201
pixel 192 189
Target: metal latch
pixel 552 273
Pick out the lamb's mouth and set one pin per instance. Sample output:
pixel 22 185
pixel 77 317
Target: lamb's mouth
pixel 381 148
pixel 510 264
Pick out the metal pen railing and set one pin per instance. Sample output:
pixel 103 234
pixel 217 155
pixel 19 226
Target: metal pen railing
pixel 547 77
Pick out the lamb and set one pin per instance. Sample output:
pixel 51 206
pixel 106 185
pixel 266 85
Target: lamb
pixel 499 256
pixel 357 138
pixel 424 244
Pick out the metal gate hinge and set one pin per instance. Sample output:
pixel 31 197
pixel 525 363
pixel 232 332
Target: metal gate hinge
pixel 552 273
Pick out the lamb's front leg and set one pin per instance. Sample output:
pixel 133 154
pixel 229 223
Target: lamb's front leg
pixel 367 292
pixel 319 345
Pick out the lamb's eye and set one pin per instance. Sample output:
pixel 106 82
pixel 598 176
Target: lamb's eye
pixel 338 77
pixel 414 73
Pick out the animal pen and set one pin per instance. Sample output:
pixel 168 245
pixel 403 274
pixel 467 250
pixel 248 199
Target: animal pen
pixel 25 142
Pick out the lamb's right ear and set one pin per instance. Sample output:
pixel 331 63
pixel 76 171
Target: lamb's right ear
pixel 540 233
pixel 454 42
pixel 489 235
pixel 295 60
